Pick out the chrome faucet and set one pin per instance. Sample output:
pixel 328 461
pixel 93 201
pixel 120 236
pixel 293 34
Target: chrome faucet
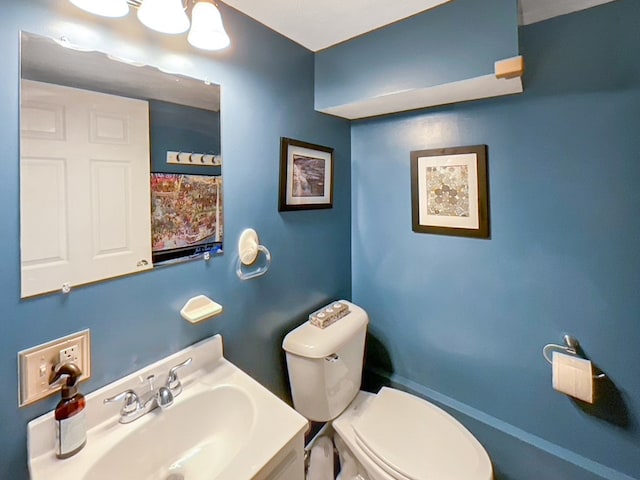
pixel 135 406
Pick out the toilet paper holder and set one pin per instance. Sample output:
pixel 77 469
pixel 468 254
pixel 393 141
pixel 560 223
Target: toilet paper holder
pixel 571 347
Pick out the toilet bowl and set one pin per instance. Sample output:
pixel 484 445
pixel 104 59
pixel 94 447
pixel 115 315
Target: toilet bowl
pixel 398 436
pixel 392 435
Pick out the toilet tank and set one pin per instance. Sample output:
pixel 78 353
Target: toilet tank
pixel 325 364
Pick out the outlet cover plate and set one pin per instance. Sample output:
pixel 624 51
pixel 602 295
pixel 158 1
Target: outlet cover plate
pixel 36 364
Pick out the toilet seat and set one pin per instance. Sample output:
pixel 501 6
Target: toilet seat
pixel 411 439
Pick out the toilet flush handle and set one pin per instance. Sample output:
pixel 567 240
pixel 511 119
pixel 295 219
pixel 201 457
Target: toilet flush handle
pixel 332 358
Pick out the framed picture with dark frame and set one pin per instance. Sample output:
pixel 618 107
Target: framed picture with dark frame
pixel 449 191
pixel 306 176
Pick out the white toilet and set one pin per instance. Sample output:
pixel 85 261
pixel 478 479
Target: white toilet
pixel 391 435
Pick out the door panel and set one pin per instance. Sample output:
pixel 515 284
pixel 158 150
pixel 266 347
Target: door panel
pixel 86 155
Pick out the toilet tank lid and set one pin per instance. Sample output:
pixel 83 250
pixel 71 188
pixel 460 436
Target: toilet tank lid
pixel 313 342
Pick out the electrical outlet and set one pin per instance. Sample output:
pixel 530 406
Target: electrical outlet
pixel 36 365
pixel 70 354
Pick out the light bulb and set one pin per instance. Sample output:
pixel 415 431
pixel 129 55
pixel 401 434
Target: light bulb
pixel 111 8
pixel 166 16
pixel 207 31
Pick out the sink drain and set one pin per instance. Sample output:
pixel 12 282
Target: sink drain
pixel 175 476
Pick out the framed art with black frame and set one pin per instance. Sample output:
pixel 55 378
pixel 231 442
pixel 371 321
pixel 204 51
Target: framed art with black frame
pixel 449 191
pixel 306 176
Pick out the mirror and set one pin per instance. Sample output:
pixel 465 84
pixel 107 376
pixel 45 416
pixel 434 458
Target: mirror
pixel 120 166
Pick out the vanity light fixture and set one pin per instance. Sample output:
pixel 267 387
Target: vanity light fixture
pixel 207 31
pixel 165 16
pixel 169 16
pixel 112 8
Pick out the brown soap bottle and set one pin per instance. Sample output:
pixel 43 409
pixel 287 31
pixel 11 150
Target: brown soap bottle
pixel 71 430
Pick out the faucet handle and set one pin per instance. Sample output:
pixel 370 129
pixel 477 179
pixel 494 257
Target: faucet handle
pixel 130 403
pixel 173 382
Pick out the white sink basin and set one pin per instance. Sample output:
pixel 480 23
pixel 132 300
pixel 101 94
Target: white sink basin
pixel 224 425
pixel 204 445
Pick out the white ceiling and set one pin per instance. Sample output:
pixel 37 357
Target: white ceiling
pixel 318 24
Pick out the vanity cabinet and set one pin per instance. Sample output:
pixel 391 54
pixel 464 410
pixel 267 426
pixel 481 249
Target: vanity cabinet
pixel 288 464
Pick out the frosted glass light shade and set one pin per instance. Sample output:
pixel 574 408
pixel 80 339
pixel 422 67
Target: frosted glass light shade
pixel 111 8
pixel 207 31
pixel 166 16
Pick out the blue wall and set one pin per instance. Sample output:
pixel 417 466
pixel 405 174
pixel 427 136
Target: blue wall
pixel 464 321
pixel 267 92
pixel 458 320
pixel 180 128
pixel 456 41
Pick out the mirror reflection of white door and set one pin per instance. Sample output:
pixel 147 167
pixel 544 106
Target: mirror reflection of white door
pixel 84 187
